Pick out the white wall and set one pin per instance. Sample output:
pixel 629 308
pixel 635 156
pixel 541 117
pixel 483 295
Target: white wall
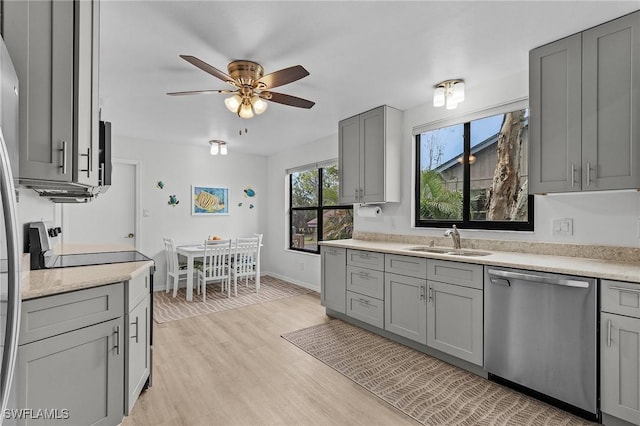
pixel 179 167
pixel 297 267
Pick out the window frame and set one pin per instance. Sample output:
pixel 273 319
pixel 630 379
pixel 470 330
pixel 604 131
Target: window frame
pixel 319 209
pixel 466 222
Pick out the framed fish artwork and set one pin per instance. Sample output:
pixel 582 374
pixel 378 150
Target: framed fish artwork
pixel 209 200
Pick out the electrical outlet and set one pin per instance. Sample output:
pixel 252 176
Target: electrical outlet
pixel 562 226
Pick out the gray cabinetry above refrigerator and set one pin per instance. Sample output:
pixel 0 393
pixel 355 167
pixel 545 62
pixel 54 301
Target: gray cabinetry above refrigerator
pixel 55 48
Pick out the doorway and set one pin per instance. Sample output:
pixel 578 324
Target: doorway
pixel 110 219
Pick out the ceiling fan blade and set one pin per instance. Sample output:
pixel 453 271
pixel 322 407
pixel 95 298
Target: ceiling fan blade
pixel 208 69
pixel 281 98
pixel 200 92
pixel 282 77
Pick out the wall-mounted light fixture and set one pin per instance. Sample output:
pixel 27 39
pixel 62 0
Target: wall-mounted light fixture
pixel 218 147
pixel 449 93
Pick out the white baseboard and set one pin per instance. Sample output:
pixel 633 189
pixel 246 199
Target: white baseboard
pixel 293 281
pixel 160 286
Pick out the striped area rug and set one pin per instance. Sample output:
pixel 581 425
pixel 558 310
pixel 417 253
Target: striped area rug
pixel 429 390
pixel 167 308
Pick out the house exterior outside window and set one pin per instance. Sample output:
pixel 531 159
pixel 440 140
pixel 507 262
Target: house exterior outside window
pixel 474 174
pixel 314 212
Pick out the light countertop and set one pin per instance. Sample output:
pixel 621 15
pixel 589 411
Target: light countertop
pixel 596 268
pixel 46 282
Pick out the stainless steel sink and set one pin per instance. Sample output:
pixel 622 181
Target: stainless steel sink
pixel 450 251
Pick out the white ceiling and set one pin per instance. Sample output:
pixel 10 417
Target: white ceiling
pixel 359 55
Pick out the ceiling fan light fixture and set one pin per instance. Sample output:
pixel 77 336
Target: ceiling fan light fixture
pixel 245 110
pixel 259 104
pixel 233 103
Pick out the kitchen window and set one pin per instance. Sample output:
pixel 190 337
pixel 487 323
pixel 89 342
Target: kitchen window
pixel 314 212
pixel 474 174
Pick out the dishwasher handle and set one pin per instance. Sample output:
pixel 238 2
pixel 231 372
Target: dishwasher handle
pixel 537 278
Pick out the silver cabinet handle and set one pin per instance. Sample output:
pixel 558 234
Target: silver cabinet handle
pixel 136 324
pixel 632 290
pixel 538 278
pixel 88 155
pixel 430 294
pixel 573 175
pixel 421 292
pixel 63 150
pixel 364 275
pixel 588 173
pixel 116 343
pixel 364 301
pixel 609 333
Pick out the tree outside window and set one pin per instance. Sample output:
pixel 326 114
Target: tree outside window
pixel 314 213
pixel 475 174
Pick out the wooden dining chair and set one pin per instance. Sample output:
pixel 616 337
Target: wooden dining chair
pixel 246 261
pixel 175 270
pixel 215 266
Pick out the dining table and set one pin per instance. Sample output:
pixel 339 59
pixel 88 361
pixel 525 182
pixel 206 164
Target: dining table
pixel 195 251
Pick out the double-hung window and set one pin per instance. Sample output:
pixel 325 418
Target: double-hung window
pixel 314 212
pixel 474 174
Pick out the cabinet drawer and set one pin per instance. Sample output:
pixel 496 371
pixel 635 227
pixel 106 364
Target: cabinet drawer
pixel 464 274
pixel 620 298
pixel 366 309
pixel 137 289
pixel 406 265
pixel 366 259
pixel 365 281
pixel 51 315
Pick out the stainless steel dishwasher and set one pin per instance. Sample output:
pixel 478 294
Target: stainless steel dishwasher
pixel 541 334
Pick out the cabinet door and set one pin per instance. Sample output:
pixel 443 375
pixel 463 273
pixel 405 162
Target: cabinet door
pixel 349 159
pixel 405 311
pixel 620 366
pixel 334 278
pixel 39 37
pixel 555 116
pixel 611 105
pixel 372 155
pixel 87 21
pixel 137 343
pixel 81 371
pixel 454 321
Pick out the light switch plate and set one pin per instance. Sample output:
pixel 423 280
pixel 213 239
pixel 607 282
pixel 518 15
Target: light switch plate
pixel 562 226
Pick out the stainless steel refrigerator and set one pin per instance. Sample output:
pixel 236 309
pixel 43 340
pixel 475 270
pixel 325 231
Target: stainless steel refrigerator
pixel 10 252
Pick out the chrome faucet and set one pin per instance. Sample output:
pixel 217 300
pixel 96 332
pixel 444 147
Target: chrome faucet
pixel 455 236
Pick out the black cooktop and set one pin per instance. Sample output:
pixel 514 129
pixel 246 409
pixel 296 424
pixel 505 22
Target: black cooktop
pixel 88 259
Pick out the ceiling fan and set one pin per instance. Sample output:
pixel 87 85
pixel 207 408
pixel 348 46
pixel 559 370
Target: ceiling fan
pixel 252 88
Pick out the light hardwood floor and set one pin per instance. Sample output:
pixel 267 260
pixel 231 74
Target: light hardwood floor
pixel 233 368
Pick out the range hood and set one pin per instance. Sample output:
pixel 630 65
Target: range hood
pixel 73 192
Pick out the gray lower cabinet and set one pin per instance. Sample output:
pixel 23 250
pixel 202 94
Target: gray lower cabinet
pixel 333 279
pixel 455 320
pixel 405 306
pixel 620 350
pixel 138 329
pixel 365 286
pixel 77 376
pixel 455 313
pixel 365 308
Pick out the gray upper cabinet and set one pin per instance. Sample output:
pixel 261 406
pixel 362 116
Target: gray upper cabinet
pixel 369 156
pixel 584 110
pixel 54 46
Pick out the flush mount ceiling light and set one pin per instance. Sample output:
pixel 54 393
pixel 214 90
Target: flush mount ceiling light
pixel 449 93
pixel 253 88
pixel 217 147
